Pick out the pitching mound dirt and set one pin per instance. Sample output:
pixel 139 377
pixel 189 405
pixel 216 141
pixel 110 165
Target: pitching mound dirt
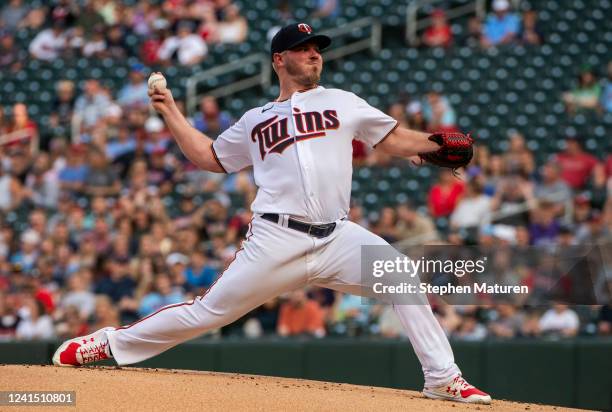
pixel 112 389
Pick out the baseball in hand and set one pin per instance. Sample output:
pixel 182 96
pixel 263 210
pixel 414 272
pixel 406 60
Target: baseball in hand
pixel 157 80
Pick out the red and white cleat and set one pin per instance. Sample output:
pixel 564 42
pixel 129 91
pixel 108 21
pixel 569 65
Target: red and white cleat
pixel 458 390
pixel 83 350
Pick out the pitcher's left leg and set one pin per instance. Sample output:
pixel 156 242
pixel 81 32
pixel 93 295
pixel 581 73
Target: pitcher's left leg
pixel 339 264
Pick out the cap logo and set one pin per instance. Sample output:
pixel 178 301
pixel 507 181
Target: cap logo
pixel 304 28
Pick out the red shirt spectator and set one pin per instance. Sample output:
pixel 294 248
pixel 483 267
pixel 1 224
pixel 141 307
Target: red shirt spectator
pixel 576 164
pixel 23 127
pixel 439 34
pixel 444 195
pixel 609 166
pixel 45 297
pixel 300 315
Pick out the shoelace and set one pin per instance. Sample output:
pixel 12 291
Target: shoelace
pixel 94 350
pixel 458 384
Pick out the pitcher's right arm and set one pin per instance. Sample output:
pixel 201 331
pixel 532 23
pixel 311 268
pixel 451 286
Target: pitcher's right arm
pixel 196 146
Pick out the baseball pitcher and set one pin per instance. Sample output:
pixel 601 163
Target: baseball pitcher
pixel 300 149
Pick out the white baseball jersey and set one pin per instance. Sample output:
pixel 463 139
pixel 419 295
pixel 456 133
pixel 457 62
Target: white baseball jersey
pixel 301 151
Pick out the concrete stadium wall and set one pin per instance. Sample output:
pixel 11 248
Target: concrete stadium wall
pixel 573 373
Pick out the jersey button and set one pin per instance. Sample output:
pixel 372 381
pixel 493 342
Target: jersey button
pixel 311 194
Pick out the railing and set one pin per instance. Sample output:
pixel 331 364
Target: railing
pixel 263 78
pixel 260 79
pixel 414 24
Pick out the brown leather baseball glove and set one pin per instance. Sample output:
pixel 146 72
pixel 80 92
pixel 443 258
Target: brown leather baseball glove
pixel 456 150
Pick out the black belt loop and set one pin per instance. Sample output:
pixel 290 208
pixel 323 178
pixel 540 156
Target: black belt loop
pixel 319 231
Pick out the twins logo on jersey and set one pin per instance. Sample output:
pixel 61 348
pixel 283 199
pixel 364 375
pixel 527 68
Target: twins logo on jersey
pixel 273 134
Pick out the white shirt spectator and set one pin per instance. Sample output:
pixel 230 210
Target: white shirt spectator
pixel 83 300
pixel 48 45
pixel 45 189
pixel 471 212
pixel 41 328
pixel 554 320
pixel 92 47
pixel 188 48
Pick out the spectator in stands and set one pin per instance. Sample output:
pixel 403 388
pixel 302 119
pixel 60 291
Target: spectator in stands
pixel 385 227
pixel 560 321
pixel 11 189
pixel 439 34
pixel 530 33
pixel 209 25
pixel 545 226
pixel 447 316
pixel 79 295
pixel 512 198
pixel 116 46
pixel 606 95
pixel 300 316
pixel 261 321
pixel 95 45
pixel 474 32
pixel 233 27
pixel 64 101
pixel 13 15
pixel 28 253
pixel 190 48
pixel 502 26
pixel 350 315
pixel 411 224
pixel 210 119
pixel 162 295
pixel 89 17
pixel 473 209
pixel 135 92
pixel 11 55
pixel 106 314
pixel 72 175
pixel 398 112
pixel 415 119
pixel 518 159
pixel 470 329
pixel 200 273
pixel 43 183
pixel 92 104
pixel 100 180
pixel 551 188
pixel 8 318
pixel 438 113
pixel 586 95
pixel 444 194
pixel 327 8
pixel 23 128
pixel 508 322
pixel 35 323
pixel 576 164
pixel 149 49
pixel 49 44
pixel 599 186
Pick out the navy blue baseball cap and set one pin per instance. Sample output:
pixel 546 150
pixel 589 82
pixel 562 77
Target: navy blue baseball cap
pixel 295 34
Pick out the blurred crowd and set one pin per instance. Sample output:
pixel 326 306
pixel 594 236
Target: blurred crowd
pixel 115 224
pixel 167 32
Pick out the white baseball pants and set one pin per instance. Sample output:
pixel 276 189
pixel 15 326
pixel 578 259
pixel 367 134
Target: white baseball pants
pixel 274 260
